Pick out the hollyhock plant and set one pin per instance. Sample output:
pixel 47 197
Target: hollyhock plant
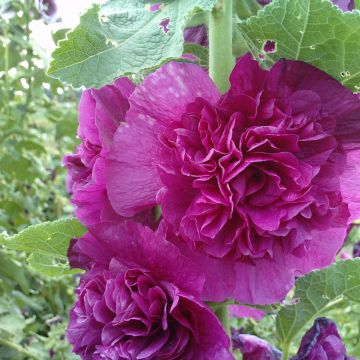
pixel 100 113
pixel 322 341
pixel 134 303
pixel 254 184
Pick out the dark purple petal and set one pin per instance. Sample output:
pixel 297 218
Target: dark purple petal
pixel 321 341
pixel 254 348
pixel 356 250
pixel 196 35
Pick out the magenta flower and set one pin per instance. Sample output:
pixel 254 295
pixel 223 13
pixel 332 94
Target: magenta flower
pixel 138 300
pixel 321 341
pixel 100 113
pixel 254 348
pixel 254 183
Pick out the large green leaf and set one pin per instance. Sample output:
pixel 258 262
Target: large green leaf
pixel 314 31
pixel 317 293
pixel 122 37
pixel 47 244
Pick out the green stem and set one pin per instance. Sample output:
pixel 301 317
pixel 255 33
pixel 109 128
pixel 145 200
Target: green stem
pixel 285 354
pixel 29 52
pixel 18 348
pixel 6 91
pixel 221 59
pixel 223 315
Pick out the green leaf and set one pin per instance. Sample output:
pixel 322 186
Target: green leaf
pixel 47 243
pixel 49 265
pixel 13 270
pixel 12 321
pixel 314 31
pixel 317 293
pixel 201 52
pixel 122 37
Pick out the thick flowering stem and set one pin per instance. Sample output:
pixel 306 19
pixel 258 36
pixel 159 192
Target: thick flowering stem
pixel 223 315
pixel 221 59
pixel 285 354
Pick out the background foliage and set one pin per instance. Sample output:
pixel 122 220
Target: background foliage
pixel 37 126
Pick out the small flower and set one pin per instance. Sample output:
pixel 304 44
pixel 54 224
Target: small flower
pixel 100 113
pixel 138 300
pixel 356 250
pixel 255 184
pixel 254 348
pixel 321 341
pixel 48 9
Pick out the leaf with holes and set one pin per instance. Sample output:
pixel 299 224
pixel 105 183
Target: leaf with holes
pixel 47 244
pixel 314 31
pixel 317 293
pixel 123 37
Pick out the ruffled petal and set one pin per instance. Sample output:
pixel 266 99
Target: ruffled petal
pixel 139 245
pixel 111 107
pixel 132 179
pixel 164 95
pixel 287 77
pixel 263 281
pixel 87 125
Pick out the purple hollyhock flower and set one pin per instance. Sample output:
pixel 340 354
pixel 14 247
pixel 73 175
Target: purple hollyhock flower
pixel 134 303
pixel 254 183
pixel 100 113
pixel 48 9
pixel 254 348
pixel 321 342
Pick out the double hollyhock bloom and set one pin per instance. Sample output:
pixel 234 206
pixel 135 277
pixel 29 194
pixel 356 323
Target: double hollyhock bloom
pixel 255 184
pixel 100 113
pixel 139 299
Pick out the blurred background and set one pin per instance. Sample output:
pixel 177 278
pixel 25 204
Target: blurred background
pixel 38 123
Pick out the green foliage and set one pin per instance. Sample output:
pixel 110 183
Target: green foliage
pixel 316 295
pixel 122 37
pixel 47 244
pixel 314 31
pixel 38 123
